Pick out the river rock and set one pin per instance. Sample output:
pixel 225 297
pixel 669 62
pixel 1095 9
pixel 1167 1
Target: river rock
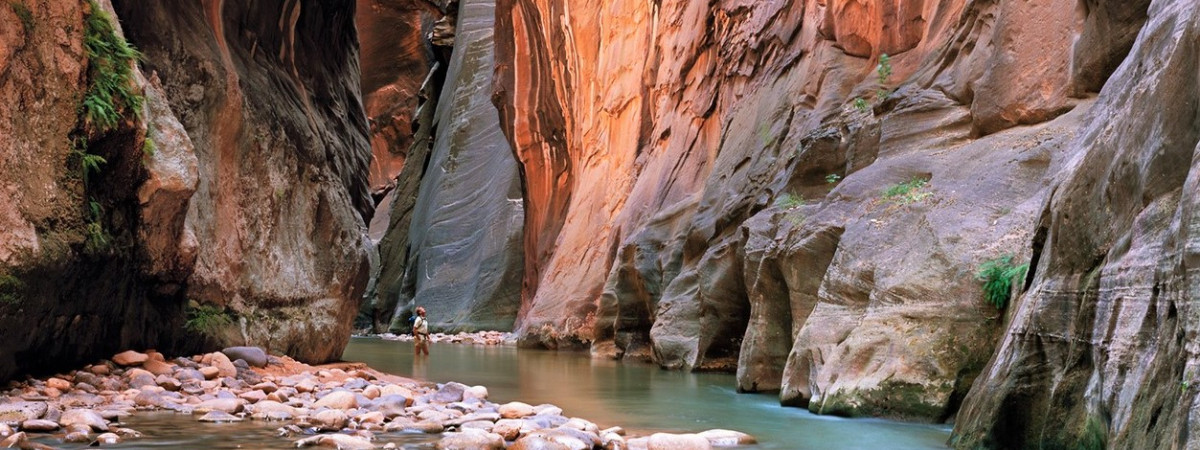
pixel 273 410
pixel 515 410
pixel 5 430
pixel 727 438
pixel 252 355
pixel 58 383
pixel 17 412
pixel 78 437
pixel 581 424
pixel 372 392
pixel 395 389
pixel 392 405
pixel 668 441
pixel 39 425
pixel 83 417
pixel 14 440
pixel 229 405
pixel 337 400
pixel 224 365
pixel 475 394
pixel 449 393
pixel 547 410
pixel 168 383
pixel 339 441
pixel 148 398
pixel 219 417
pixel 157 367
pixel 99 369
pixel 374 418
pixel 127 433
pixel 266 386
pixel 471 439
pixel 330 419
pixel 106 439
pixel 130 358
pixel 510 429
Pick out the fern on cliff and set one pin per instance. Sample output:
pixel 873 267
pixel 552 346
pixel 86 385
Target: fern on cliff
pixel 110 95
pixel 997 277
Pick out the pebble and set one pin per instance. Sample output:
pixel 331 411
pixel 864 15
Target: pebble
pixel 219 417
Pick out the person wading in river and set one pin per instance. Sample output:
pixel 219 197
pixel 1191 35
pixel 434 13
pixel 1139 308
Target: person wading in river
pixel 420 333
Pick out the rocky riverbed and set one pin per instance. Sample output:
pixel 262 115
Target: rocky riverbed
pixel 346 406
pixel 476 338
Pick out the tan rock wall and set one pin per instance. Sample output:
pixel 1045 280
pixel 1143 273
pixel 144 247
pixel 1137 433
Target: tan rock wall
pixel 678 187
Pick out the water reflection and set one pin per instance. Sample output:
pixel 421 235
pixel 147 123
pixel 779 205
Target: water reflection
pixel 639 397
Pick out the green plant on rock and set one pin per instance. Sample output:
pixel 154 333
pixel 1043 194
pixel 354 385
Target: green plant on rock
pixel 10 289
pixel 206 319
pixel 832 178
pixel 997 277
pixel 148 147
pixel 24 14
pixel 110 95
pixel 789 201
pixel 861 104
pixel 907 192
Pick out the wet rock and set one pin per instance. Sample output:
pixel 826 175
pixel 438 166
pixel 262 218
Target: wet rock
pixel 475 394
pixel 567 438
pixel 509 429
pixel 106 439
pixel 254 396
pixel 219 417
pixel 470 439
pixel 14 440
pixel 580 424
pixel 252 355
pixel 374 419
pixel 337 400
pixel 515 410
pixel 354 384
pixel 39 425
pixel 128 433
pixel 727 438
pixel 228 405
pixel 273 410
pixel 547 410
pixel 148 399
pixel 449 393
pixel 668 441
pixel 330 420
pixel 5 430
pixel 612 441
pixel 130 358
pixel 339 441
pixel 16 412
pixel 83 417
pixel 78 437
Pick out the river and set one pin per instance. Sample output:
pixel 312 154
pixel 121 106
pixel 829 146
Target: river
pixel 640 397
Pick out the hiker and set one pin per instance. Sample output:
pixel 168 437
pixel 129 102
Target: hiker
pixel 420 333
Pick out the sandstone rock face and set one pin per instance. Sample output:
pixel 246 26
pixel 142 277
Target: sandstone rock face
pixel 700 189
pixel 464 256
pixel 89 263
pixel 272 108
pixel 1101 349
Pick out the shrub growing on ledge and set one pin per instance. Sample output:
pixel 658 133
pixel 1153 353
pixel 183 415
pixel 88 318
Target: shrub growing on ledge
pixel 907 192
pixel 110 95
pixel 206 319
pixel 997 277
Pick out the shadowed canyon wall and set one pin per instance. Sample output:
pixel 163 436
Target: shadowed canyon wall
pixel 454 244
pixel 239 187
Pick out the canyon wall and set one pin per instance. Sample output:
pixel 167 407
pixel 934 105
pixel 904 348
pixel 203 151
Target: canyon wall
pixel 753 187
pixel 225 207
pixel 453 244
